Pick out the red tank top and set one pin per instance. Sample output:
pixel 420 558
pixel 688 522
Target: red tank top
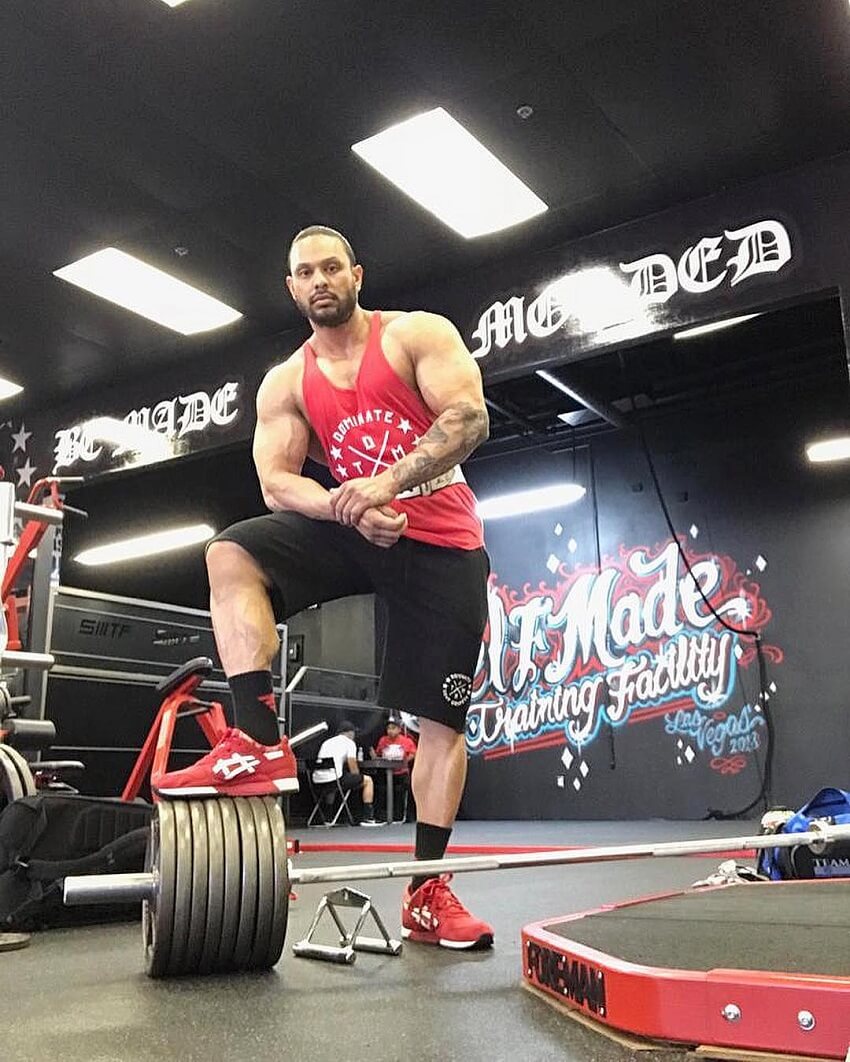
pixel 364 430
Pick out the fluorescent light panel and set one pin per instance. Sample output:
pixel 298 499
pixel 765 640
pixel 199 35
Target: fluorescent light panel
pixel 435 161
pixel 174 3
pixel 146 545
pixel 8 389
pixel 530 501
pixel 715 326
pixel 837 449
pixel 147 291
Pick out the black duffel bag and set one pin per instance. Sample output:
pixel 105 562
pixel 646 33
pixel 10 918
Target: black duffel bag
pixel 45 837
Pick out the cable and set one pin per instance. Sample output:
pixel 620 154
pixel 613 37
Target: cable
pixel 766 774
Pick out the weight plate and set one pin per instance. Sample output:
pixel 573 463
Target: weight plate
pixel 248 895
pixel 158 913
pixel 182 887
pixel 16 778
pixel 265 884
pixel 24 770
pixel 280 866
pixel 200 874
pixel 14 941
pixel 215 885
pixel 231 873
pixel 11 788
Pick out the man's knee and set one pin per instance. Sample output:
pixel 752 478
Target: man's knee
pixel 228 562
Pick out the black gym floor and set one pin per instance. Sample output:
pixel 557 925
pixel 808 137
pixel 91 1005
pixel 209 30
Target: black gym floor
pixel 80 995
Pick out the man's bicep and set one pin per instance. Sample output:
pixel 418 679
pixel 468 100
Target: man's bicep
pixel 281 442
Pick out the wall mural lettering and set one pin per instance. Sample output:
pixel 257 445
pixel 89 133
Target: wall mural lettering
pixel 628 643
pixel 148 430
pixel 599 298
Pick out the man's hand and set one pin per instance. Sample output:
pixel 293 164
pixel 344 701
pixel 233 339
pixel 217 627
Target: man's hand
pixel 382 527
pixel 351 500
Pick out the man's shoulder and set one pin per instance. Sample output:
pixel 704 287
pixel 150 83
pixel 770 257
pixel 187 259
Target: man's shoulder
pixel 411 320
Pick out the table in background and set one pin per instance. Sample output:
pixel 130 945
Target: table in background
pixel 390 766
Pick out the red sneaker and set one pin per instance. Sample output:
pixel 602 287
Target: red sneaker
pixel 237 766
pixel 434 915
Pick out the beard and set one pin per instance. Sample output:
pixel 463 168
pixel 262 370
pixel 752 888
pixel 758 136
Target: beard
pixel 332 314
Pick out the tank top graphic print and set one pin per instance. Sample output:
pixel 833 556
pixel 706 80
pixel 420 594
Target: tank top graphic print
pixel 364 430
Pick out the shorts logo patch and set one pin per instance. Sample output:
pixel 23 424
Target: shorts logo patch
pixel 456 689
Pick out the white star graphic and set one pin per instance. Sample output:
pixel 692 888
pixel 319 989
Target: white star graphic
pixel 404 425
pixel 336 453
pixel 20 438
pixel 417 439
pixel 343 471
pixel 25 474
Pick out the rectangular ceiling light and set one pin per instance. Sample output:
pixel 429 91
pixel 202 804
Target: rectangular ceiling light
pixel 435 161
pixel 148 291
pixel 837 449
pixel 8 389
pixel 146 545
pixel 523 502
pixel 174 3
pixel 715 326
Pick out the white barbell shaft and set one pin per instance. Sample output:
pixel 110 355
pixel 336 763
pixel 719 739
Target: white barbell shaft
pixel 125 888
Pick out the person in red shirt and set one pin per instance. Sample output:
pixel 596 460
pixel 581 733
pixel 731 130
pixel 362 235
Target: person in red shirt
pixel 396 745
pixel 391 402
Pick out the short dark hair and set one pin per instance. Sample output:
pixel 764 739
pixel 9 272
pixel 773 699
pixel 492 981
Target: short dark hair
pixel 346 727
pixel 321 230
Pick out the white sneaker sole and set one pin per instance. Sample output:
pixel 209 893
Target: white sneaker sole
pixel 283 785
pixel 455 945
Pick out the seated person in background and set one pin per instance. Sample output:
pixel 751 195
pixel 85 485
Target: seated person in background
pixel 342 750
pixel 394 745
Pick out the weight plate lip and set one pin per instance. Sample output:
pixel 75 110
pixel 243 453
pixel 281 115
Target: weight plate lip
pixel 200 873
pixel 231 875
pixel 280 864
pixel 215 885
pixel 10 780
pixel 182 887
pixel 158 913
pixel 14 941
pixel 248 894
pixel 265 885
pixel 23 769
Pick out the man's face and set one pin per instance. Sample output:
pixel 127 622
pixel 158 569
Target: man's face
pixel 322 281
pixel 393 731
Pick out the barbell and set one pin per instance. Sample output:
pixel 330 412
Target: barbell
pixel 215 890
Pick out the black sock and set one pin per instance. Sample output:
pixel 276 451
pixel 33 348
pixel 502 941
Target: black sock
pixel 431 843
pixel 368 812
pixel 254 708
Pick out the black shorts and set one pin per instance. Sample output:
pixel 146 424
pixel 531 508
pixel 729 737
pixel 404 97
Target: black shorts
pixel 436 601
pixel 349 780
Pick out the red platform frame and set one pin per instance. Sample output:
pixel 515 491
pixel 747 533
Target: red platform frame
pixel 154 754
pixel 686 1006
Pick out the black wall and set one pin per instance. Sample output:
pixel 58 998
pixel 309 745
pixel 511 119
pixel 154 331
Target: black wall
pixel 743 484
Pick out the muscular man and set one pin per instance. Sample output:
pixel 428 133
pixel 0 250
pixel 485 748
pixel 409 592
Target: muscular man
pixel 392 403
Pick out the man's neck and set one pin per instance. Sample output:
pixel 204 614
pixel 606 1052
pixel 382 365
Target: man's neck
pixel 346 341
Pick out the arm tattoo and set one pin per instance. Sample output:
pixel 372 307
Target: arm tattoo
pixel 450 439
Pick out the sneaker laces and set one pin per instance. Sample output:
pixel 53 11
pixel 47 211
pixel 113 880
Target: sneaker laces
pixel 441 896
pixel 222 747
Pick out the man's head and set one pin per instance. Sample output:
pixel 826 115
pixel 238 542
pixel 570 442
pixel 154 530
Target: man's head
pixel 347 728
pixel 393 729
pixel 324 278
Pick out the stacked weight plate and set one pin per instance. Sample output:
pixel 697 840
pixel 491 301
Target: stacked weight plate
pixel 16 779
pixel 221 886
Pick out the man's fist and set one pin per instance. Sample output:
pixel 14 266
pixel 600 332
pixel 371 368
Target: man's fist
pixel 351 500
pixel 382 527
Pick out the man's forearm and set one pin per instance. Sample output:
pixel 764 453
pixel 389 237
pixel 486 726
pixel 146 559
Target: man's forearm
pixel 288 492
pixel 450 439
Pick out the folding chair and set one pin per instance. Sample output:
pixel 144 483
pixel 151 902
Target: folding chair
pixel 320 791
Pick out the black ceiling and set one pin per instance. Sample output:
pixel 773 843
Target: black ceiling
pixel 222 126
